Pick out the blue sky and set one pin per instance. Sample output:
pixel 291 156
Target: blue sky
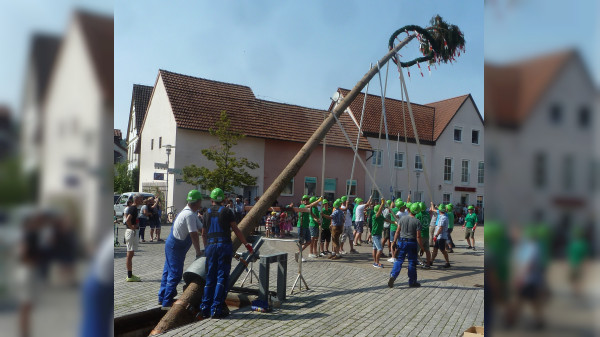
pixel 515 29
pixel 288 51
pixel 18 21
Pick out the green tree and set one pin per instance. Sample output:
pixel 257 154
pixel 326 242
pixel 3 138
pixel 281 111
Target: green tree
pixel 231 171
pixel 122 178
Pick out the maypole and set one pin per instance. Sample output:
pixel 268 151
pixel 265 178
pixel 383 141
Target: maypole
pixel 441 41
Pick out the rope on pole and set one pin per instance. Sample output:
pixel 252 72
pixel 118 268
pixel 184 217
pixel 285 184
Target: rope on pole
pixel 412 120
pixel 362 115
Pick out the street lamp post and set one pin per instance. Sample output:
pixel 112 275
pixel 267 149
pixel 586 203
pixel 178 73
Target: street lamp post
pixel 168 149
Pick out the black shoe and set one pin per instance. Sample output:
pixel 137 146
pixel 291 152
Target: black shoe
pixel 447 265
pixel 391 282
pixel 415 285
pixel 469 247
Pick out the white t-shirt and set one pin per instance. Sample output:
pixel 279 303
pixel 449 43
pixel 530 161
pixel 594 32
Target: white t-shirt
pixel 360 213
pixel 400 214
pixel 185 223
pixel 386 213
pixel 348 219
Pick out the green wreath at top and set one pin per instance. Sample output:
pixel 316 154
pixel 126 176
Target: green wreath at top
pixel 440 42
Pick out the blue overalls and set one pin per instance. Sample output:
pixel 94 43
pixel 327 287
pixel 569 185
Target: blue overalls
pixel 175 251
pixel 219 253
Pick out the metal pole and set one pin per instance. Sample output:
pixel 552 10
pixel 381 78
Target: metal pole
pixel 167 192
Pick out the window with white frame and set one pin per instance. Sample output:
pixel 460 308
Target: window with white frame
pixel 480 201
pixel 464 174
pixel 475 137
pixel 288 190
pixel 399 160
pixel 448 169
pixel 457 134
pixel 418 163
pixel 376 157
pixel 310 185
pixel 480 172
pixel 398 194
pixel 446 198
pixel 352 186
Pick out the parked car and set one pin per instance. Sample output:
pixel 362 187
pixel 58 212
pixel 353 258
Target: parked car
pixel 121 203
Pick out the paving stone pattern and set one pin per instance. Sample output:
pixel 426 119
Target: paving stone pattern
pixel 347 297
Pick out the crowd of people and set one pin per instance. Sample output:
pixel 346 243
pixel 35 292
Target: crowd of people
pixel 409 230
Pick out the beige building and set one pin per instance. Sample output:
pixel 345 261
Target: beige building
pixel 75 156
pixel 451 135
pixel 540 150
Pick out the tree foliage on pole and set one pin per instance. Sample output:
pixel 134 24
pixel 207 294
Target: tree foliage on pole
pixel 231 171
pixel 440 42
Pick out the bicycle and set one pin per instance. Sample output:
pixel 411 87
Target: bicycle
pixel 172 215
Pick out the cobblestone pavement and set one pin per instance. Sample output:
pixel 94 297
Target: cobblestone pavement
pixel 347 297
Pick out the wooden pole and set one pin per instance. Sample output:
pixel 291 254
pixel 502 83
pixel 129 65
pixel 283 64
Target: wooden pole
pixel 170 321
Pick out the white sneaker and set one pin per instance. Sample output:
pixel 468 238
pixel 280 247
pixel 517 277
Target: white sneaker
pixel 312 255
pixel 303 260
pixel 391 259
pixel 322 254
pixel 342 252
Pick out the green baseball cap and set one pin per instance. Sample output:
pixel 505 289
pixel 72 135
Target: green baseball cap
pixel 470 207
pixel 376 209
pixel 337 203
pixel 449 207
pixel 344 198
pixel 442 208
pixel 305 197
pixel 325 201
pixel 358 200
pixel 312 199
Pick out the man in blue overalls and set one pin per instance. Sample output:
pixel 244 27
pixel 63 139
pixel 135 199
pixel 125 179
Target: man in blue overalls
pixel 219 221
pixel 184 234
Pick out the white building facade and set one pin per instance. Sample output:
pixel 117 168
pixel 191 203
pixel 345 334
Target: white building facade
pixel 450 165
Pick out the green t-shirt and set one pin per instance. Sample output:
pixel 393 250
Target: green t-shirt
pixel 450 216
pixel 303 219
pixel 354 213
pixel 470 220
pixel 315 211
pixel 394 226
pixel 377 224
pixel 423 217
pixel 326 222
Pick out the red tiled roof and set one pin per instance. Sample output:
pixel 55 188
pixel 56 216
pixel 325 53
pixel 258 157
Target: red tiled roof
pixel 44 48
pixel 444 111
pixel 140 98
pixel 423 116
pixel 98 31
pixel 512 90
pixel 431 119
pixel 197 104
